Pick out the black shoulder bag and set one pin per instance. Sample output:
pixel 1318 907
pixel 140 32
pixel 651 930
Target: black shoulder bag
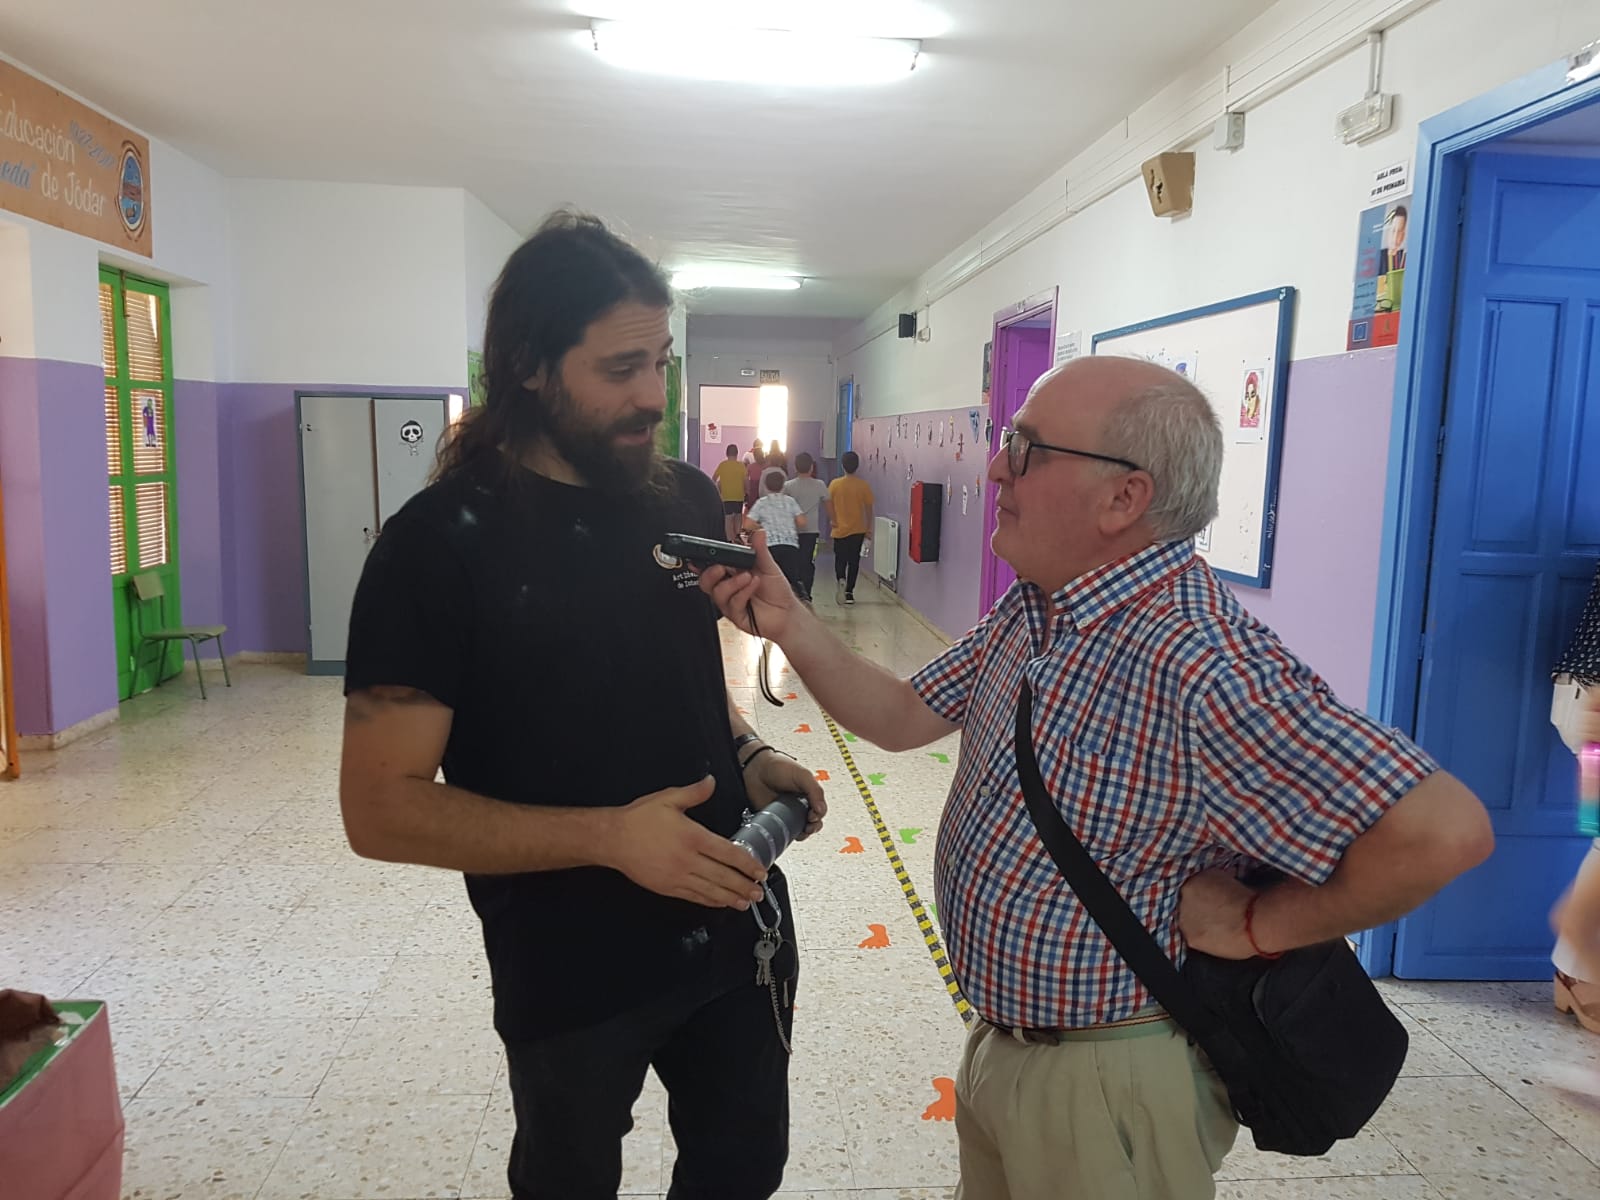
pixel 1307 1048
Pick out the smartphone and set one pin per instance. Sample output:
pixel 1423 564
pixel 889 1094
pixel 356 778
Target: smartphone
pixel 705 552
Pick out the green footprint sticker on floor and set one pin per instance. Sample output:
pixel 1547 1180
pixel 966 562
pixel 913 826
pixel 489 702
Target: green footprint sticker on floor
pixel 909 836
pixel 876 780
pixel 850 737
pixel 933 913
pixel 944 758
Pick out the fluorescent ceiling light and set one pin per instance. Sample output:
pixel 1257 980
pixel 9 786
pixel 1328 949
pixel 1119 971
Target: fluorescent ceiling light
pixel 694 278
pixel 779 57
pixel 1585 64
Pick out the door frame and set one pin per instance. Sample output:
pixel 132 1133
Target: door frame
pixel 1421 381
pixel 1032 308
pixel 330 666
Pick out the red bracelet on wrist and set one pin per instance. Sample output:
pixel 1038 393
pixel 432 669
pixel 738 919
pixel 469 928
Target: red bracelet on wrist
pixel 1250 929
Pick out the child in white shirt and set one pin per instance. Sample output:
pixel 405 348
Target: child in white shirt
pixel 781 517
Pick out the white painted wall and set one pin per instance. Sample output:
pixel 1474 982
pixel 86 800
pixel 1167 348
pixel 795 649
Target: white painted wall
pixel 489 242
pixel 348 284
pixel 1280 211
pixel 720 347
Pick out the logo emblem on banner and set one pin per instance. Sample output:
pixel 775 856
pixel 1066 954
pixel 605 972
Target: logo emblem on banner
pixel 131 203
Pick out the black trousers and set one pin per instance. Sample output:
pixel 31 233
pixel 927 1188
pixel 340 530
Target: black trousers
pixel 714 1043
pixel 847 559
pixel 808 561
pixel 788 560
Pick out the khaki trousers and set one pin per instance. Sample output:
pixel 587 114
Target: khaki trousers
pixel 1136 1114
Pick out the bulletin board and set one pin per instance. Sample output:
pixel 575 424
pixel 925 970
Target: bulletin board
pixel 1237 353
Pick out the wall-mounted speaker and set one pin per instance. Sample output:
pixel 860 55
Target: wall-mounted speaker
pixel 908 325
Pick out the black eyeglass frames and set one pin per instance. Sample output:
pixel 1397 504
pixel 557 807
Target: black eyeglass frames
pixel 1019 446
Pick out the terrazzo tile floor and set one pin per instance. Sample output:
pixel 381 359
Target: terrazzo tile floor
pixel 293 1023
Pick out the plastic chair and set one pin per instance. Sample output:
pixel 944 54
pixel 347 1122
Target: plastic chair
pixel 149 587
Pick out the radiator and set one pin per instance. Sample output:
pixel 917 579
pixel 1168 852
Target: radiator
pixel 886 552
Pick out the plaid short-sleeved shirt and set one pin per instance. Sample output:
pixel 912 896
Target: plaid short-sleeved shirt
pixel 1175 733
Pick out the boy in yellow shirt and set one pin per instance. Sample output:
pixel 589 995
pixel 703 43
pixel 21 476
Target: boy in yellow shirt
pixel 850 513
pixel 729 476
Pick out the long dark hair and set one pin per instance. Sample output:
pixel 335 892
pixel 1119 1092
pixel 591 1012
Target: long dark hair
pixel 560 281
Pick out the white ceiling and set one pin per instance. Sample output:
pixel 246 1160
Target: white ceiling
pixel 858 189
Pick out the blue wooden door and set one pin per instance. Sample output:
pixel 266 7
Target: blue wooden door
pixel 1516 538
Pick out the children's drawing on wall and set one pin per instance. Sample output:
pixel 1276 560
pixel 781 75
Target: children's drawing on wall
pixel 147 417
pixel 961 446
pixel 917 440
pixel 1202 540
pixel 988 366
pixel 948 496
pixel 1188 365
pixel 973 417
pixel 965 499
pixel 1251 400
pixel 713 433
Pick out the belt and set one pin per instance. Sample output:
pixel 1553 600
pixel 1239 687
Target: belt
pixel 1147 1023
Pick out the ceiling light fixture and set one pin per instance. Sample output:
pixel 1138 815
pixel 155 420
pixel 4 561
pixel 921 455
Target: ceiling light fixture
pixel 778 57
pixel 693 279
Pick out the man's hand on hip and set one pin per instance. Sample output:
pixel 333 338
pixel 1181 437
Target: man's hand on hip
pixel 1211 915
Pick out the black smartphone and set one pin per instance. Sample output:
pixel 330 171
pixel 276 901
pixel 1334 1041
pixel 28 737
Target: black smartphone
pixel 705 552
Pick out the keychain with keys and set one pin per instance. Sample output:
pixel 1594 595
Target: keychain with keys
pixel 766 949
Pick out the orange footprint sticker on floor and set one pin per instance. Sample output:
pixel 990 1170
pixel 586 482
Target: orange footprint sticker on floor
pixel 944 1108
pixel 803 729
pixel 879 939
pixel 822 777
pixel 852 845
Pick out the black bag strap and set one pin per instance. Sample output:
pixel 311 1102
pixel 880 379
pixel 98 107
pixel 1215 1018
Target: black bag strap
pixel 1137 946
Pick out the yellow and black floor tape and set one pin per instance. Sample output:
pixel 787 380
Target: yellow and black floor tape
pixel 918 910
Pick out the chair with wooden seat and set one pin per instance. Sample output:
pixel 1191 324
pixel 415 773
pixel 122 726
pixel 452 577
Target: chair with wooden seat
pixel 148 587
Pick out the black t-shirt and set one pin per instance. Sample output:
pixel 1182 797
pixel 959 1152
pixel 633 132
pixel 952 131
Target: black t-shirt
pixel 582 671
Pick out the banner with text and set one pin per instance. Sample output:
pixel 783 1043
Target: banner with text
pixel 65 164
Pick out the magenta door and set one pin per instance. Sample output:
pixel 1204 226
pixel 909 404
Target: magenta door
pixel 1023 337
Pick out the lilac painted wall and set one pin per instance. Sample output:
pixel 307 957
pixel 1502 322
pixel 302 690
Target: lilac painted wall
pixel 53 459
pixel 263 524
pixel 200 537
pixel 77 540
pixel 24 519
pixel 1330 516
pixel 945 592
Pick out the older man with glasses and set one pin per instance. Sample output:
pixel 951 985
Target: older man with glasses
pixel 1180 741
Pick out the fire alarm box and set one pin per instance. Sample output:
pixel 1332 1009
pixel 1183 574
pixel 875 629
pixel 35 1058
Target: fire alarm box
pixel 927 508
pixel 1169 180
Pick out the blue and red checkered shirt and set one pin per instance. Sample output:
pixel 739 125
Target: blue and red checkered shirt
pixel 1175 734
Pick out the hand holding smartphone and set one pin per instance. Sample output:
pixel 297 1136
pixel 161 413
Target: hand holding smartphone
pixel 706 552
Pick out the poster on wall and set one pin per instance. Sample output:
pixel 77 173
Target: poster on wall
pixel 713 433
pixel 1380 274
pixel 1251 427
pixel 1069 346
pixel 477 387
pixel 988 368
pixel 65 164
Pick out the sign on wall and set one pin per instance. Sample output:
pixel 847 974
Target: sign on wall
pixel 1380 274
pixel 65 164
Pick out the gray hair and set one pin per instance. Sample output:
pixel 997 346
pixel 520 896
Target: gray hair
pixel 1171 430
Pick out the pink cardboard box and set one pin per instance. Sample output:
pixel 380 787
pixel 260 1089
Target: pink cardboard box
pixel 61 1119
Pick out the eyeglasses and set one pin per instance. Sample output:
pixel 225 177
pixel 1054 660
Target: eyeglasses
pixel 1018 446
